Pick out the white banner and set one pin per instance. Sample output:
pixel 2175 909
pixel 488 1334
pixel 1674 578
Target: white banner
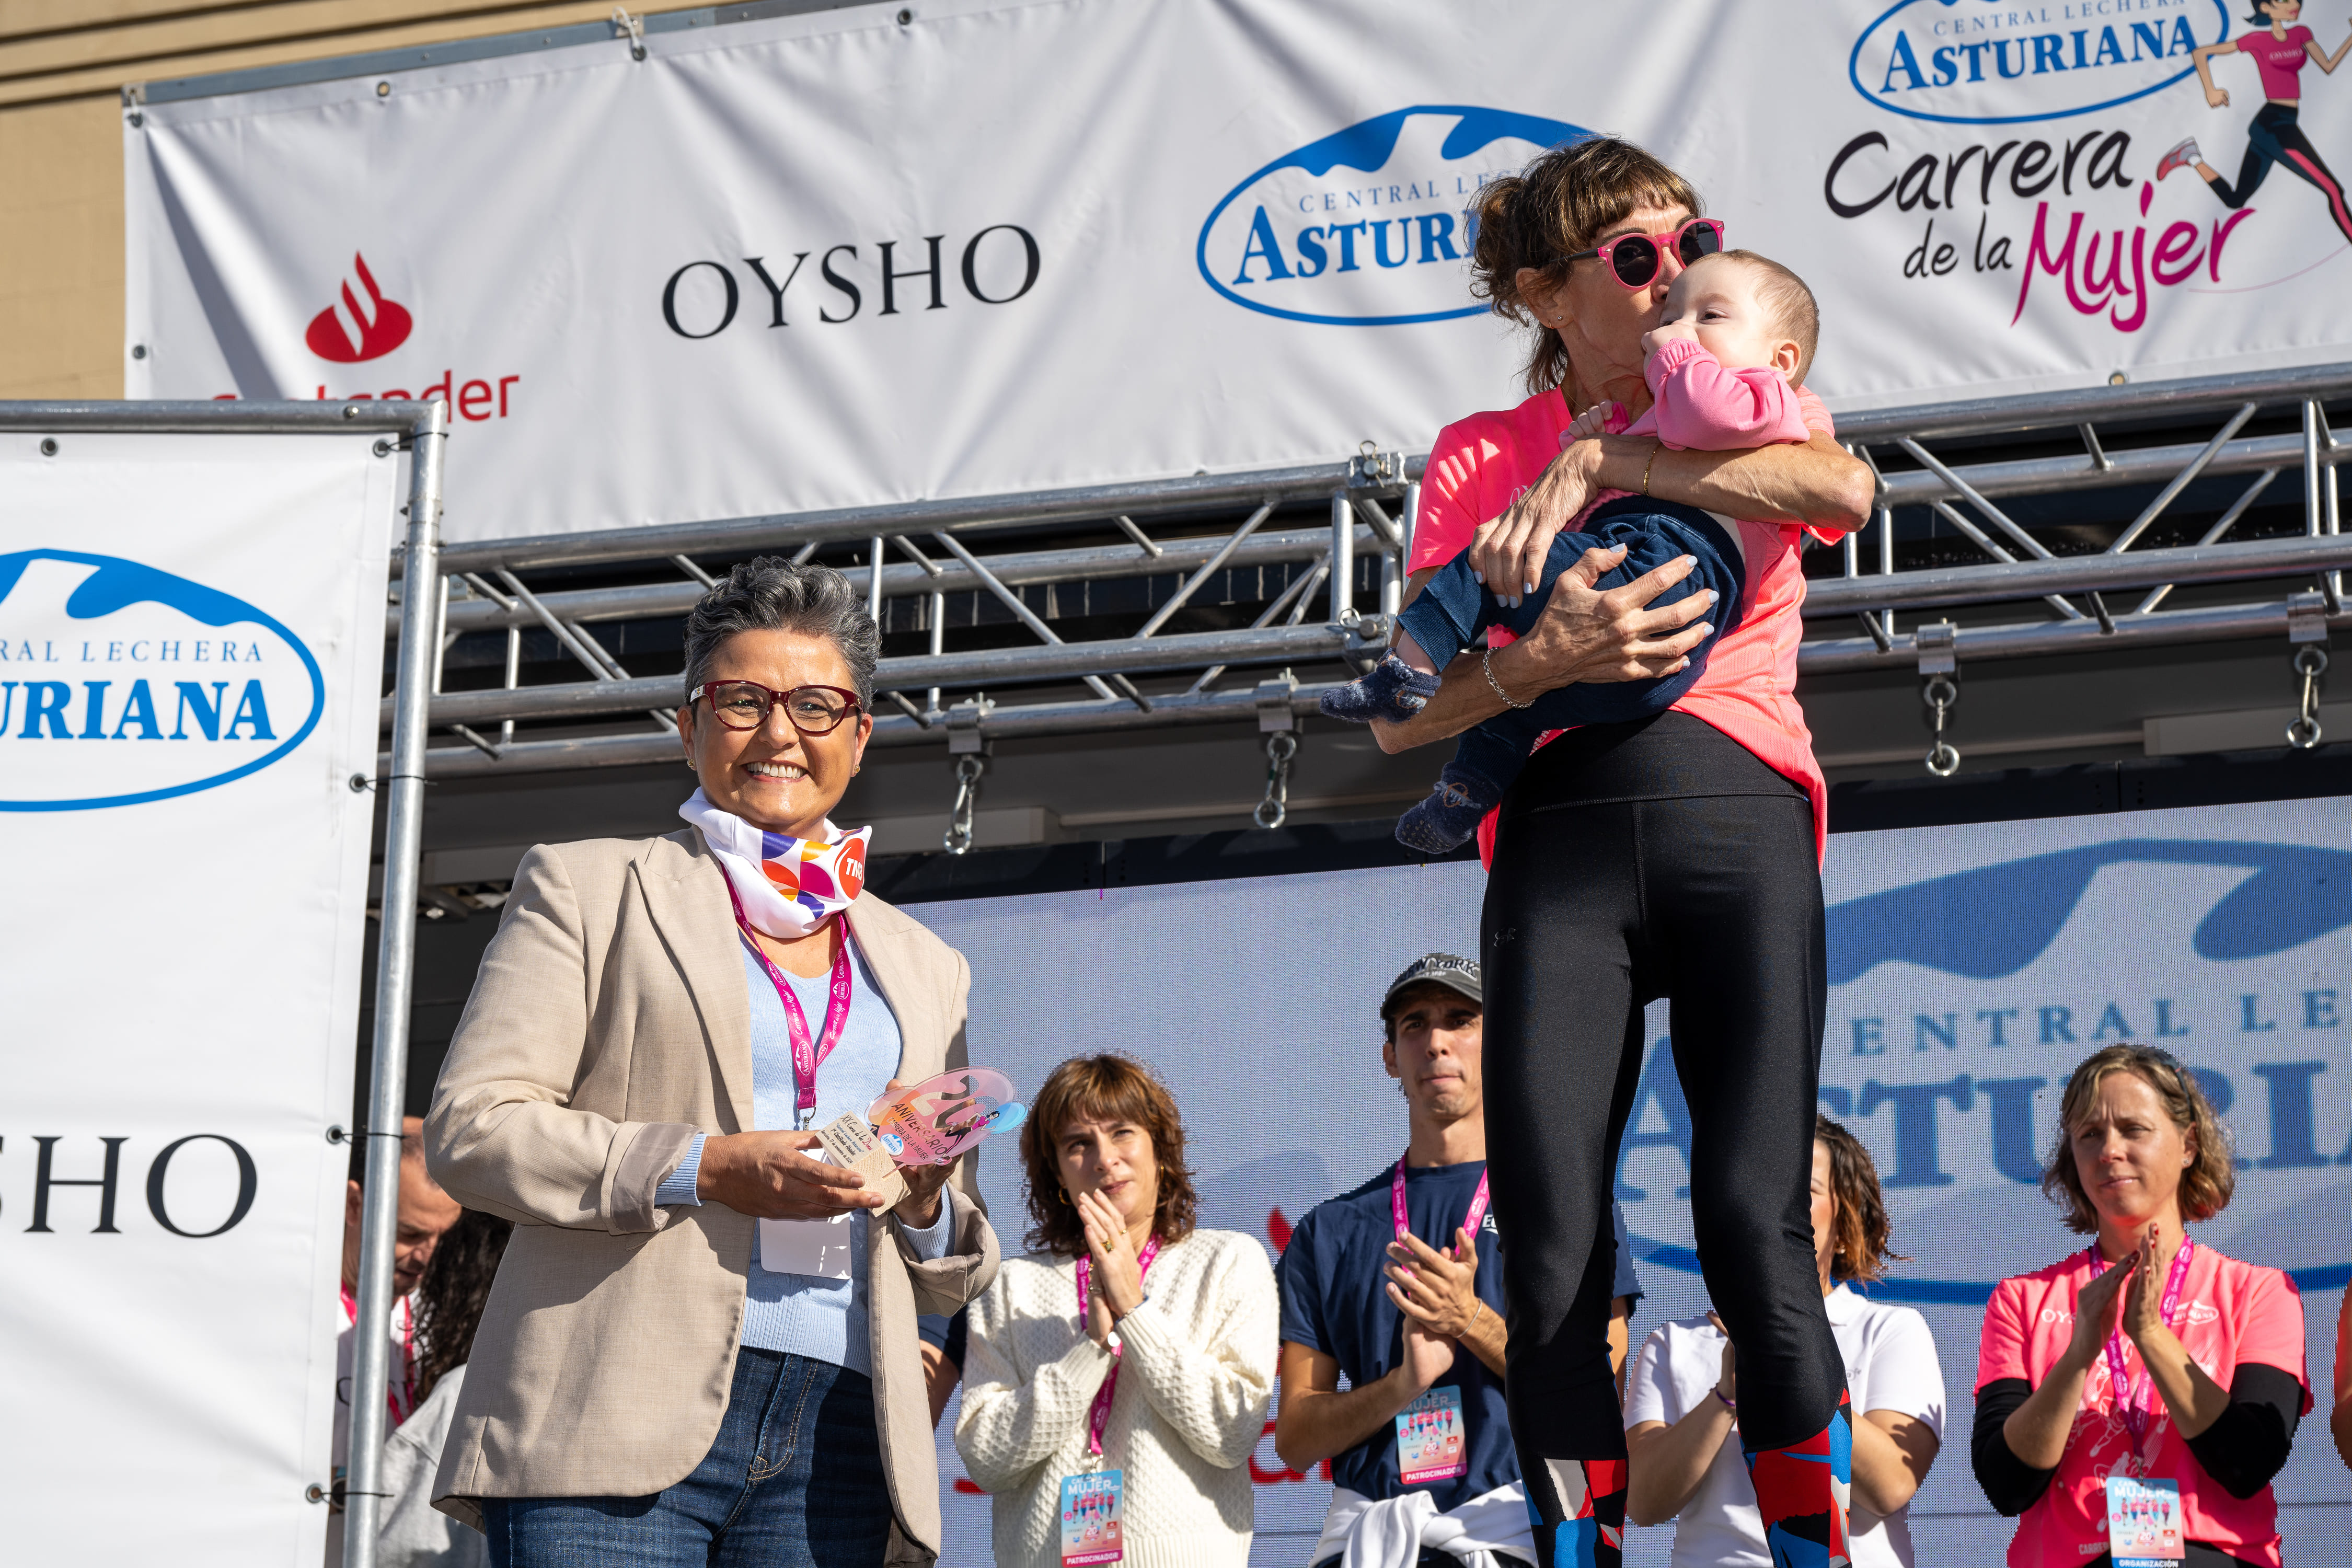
pixel 1970 969
pixel 191 642
pixel 839 258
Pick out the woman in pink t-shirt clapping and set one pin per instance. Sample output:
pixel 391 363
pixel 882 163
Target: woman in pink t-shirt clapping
pixel 2145 1374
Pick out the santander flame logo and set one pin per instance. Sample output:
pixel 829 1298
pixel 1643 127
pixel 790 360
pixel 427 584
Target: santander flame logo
pixel 350 334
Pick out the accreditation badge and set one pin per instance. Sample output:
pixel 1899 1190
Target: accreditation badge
pixel 1430 1442
pixel 1092 1505
pixel 2144 1521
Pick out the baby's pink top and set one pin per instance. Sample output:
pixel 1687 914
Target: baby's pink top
pixel 1479 466
pixel 2231 1314
pixel 2279 59
pixel 1700 405
pixel 1697 405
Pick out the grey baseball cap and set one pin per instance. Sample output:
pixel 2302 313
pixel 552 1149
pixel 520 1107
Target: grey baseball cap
pixel 1455 974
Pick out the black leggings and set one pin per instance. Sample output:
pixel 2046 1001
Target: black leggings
pixel 1599 903
pixel 2274 138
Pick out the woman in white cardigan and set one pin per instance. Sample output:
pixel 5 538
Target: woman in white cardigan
pixel 1127 1346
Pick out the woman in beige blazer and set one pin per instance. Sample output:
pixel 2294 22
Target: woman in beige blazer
pixel 701 1345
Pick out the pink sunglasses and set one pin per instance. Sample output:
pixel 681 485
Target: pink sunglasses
pixel 1634 258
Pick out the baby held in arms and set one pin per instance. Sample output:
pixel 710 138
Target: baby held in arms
pixel 1723 366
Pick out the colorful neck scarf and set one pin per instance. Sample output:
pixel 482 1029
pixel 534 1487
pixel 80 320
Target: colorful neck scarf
pixel 789 886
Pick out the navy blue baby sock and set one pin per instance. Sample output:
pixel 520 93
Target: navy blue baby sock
pixel 1394 690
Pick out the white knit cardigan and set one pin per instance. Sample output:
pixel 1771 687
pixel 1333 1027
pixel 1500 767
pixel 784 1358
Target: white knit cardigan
pixel 1195 1374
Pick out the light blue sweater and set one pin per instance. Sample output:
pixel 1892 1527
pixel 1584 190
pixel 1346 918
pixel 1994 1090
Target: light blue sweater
pixel 825 1319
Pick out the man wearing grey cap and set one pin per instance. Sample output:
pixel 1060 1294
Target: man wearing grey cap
pixel 1399 1285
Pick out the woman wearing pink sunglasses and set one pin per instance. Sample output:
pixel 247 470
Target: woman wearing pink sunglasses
pixel 1676 856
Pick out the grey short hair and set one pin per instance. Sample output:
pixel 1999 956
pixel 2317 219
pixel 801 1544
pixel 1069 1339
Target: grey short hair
pixel 769 593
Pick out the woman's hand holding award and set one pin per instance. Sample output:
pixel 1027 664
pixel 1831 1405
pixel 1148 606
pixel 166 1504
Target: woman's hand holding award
pixel 922 1126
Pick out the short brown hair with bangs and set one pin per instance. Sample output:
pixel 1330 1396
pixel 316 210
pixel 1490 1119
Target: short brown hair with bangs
pixel 1109 1088
pixel 2209 1178
pixel 1548 211
pixel 1859 1250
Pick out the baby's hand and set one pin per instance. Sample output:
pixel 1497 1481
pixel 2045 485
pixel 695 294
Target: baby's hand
pixel 1593 421
pixel 1666 333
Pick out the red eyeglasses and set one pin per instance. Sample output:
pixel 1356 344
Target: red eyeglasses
pixel 1634 258
pixel 746 704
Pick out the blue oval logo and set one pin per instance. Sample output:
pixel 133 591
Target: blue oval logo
pixel 1368 226
pixel 1970 62
pixel 200 687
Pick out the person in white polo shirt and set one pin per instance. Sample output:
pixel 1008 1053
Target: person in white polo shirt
pixel 1682 1403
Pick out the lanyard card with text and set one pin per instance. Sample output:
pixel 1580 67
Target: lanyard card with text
pixel 1430 1446
pixel 1092 1507
pixel 2144 1522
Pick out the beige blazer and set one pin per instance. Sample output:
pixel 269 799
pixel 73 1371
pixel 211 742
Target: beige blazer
pixel 608 1025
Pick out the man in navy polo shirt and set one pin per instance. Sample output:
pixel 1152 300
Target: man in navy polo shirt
pixel 1419 1442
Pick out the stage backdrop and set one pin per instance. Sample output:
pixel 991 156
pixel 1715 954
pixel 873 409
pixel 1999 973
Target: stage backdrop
pixel 191 640
pixel 1970 969
pixel 874 253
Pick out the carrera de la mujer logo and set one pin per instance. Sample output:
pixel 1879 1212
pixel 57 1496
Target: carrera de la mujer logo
pixel 2013 167
pixel 1995 62
pixel 353 331
pixel 122 684
pixel 1369 227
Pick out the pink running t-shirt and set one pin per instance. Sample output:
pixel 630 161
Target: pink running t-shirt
pixel 2279 59
pixel 2231 1314
pixel 1479 466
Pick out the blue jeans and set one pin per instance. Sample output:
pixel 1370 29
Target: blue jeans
pixel 794 1479
pixel 1454 607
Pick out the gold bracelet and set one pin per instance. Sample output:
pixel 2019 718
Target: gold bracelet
pixel 1485 663
pixel 1645 470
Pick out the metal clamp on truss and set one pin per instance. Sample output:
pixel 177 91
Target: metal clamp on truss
pixel 1939 689
pixel 1280 725
pixel 1368 638
pixel 969 747
pixel 1371 469
pixel 2306 628
pixel 1273 697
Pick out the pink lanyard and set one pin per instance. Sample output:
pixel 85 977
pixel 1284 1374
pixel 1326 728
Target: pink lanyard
pixel 407 1349
pixel 807 1056
pixel 1396 1204
pixel 1098 1416
pixel 2126 1395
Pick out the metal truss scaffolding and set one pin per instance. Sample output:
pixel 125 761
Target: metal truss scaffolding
pixel 1325 591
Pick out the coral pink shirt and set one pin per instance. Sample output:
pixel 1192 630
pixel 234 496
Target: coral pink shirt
pixel 2231 1313
pixel 1479 466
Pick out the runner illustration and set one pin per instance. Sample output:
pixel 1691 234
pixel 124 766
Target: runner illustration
pixel 2272 138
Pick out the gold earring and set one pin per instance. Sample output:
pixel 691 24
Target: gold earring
pixel 1062 1194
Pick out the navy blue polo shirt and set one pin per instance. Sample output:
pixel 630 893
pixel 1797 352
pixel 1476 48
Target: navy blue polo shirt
pixel 1334 1299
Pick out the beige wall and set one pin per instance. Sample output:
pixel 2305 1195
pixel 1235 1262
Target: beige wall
pixel 62 67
